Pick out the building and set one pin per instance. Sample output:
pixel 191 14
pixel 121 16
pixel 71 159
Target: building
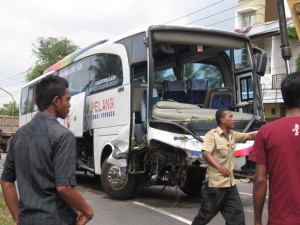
pixel 258 19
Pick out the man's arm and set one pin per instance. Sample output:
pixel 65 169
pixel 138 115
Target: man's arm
pixel 259 192
pixel 76 201
pixel 251 136
pixel 11 198
pixel 207 156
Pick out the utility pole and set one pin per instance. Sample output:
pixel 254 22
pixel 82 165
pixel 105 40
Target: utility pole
pixel 13 103
pixel 285 46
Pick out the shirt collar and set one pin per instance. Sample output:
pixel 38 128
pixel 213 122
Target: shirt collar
pixel 220 131
pixel 45 115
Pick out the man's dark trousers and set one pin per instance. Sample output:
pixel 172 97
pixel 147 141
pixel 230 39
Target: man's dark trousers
pixel 225 200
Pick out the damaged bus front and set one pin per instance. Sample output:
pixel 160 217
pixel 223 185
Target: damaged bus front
pixel 188 74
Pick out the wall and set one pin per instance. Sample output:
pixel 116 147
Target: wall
pixel 246 7
pixel 279 111
pixel 271 12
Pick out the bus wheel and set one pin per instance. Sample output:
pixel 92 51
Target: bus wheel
pixel 194 180
pixel 118 186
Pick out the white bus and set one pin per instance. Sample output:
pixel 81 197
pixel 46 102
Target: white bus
pixel 142 103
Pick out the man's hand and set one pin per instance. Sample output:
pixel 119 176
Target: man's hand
pixel 257 223
pixel 81 219
pixel 74 198
pixel 212 162
pixel 224 171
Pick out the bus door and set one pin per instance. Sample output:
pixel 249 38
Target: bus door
pixel 108 100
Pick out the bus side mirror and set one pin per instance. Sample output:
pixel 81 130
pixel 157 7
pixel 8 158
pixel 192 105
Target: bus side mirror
pixel 261 61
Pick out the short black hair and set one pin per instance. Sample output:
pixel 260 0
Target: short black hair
pixel 47 88
pixel 290 89
pixel 220 113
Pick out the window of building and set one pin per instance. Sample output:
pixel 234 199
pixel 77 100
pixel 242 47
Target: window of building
pixel 248 20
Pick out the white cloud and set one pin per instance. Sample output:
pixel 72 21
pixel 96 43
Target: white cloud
pixel 85 22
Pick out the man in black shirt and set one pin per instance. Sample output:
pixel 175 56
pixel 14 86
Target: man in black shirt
pixel 42 159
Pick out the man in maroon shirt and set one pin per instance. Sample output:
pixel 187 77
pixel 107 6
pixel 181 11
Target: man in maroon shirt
pixel 276 152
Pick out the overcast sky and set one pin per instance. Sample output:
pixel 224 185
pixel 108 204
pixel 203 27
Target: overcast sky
pixel 86 22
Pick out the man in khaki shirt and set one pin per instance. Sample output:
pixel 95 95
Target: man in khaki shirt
pixel 219 192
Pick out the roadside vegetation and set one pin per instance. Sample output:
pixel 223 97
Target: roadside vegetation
pixel 47 52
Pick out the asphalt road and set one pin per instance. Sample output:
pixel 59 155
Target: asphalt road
pixel 153 206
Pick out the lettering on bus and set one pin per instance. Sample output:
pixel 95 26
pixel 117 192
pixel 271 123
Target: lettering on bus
pixel 71 69
pixel 108 82
pixel 107 79
pixel 103 108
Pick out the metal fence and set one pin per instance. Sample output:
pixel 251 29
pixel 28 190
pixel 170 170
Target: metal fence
pixel 273 94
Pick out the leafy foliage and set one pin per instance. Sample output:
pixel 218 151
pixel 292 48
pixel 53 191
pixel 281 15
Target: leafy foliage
pixel 294 38
pixel 292 33
pixel 10 109
pixel 48 51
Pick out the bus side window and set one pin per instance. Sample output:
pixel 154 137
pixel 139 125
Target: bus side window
pixel 78 75
pixel 107 71
pixel 24 101
pixel 30 99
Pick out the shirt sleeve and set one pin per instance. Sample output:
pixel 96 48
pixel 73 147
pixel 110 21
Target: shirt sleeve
pixel 209 142
pixel 240 137
pixel 64 160
pixel 9 172
pixel 258 152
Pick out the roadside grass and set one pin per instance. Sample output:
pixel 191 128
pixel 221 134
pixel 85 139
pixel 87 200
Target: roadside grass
pixel 5 217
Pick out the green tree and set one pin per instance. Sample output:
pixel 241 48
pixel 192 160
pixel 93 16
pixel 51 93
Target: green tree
pixel 48 51
pixel 292 33
pixel 10 109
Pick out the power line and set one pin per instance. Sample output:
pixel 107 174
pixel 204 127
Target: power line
pixel 20 74
pixel 12 80
pixel 194 12
pixel 217 13
pixel 228 19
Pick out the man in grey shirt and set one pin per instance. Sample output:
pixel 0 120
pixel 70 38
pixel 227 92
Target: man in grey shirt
pixel 42 159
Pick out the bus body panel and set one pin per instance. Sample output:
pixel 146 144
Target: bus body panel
pixel 188 143
pixel 108 109
pixel 75 118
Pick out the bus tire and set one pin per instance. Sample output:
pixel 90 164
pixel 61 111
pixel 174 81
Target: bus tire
pixel 118 187
pixel 193 184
